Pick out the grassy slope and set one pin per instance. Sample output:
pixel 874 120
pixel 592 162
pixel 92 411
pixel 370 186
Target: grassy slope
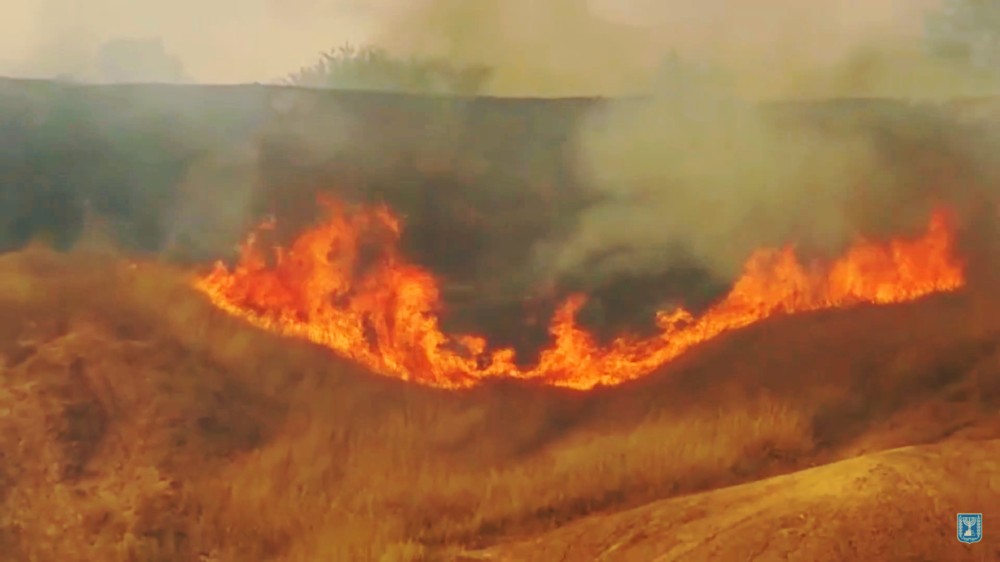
pixel 895 505
pixel 138 424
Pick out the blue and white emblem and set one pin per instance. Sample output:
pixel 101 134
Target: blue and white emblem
pixel 970 527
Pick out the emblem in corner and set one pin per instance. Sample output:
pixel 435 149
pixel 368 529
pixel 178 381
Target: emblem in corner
pixel 970 527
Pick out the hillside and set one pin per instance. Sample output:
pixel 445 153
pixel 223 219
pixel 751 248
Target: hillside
pixel 188 169
pixel 892 505
pixel 141 424
pixel 484 185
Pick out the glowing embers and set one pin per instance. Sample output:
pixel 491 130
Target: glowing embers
pixel 345 285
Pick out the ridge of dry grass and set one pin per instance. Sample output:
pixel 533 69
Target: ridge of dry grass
pixel 137 423
pixel 891 505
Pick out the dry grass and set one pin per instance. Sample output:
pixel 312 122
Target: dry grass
pixel 139 424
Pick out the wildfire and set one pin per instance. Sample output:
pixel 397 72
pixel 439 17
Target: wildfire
pixel 383 314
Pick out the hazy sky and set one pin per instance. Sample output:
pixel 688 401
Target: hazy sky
pixel 257 40
pixel 217 40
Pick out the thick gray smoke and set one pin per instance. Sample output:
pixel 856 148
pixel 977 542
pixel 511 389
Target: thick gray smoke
pixel 773 48
pixel 694 172
pixel 213 204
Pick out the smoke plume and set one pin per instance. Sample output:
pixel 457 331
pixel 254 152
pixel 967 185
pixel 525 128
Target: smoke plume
pixel 692 174
pixel 701 177
pixel 695 171
pixel 599 47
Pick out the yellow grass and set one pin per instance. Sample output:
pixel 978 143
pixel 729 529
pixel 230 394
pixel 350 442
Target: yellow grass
pixel 139 424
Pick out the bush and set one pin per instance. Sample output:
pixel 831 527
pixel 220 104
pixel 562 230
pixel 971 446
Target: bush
pixel 371 68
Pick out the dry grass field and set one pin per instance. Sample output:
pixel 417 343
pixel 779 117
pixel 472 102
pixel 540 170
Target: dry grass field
pixel 140 424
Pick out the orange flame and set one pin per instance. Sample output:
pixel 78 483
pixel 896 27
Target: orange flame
pixel 384 316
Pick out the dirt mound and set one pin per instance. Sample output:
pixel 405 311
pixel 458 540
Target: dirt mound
pixel 138 423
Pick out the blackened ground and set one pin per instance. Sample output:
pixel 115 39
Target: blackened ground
pixel 620 306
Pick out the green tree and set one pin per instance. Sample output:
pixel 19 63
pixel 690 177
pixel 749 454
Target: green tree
pixel 371 68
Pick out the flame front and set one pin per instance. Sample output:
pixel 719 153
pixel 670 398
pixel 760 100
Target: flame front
pixel 384 316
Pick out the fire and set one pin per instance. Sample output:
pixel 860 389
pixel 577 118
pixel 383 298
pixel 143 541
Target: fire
pixel 384 314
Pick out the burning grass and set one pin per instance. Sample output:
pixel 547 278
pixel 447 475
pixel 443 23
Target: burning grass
pixel 141 423
pixel 344 284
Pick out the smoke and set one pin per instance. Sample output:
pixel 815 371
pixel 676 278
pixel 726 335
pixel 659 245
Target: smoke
pixel 557 48
pixel 692 172
pixel 696 173
pixel 561 47
pixel 600 47
pixel 214 205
